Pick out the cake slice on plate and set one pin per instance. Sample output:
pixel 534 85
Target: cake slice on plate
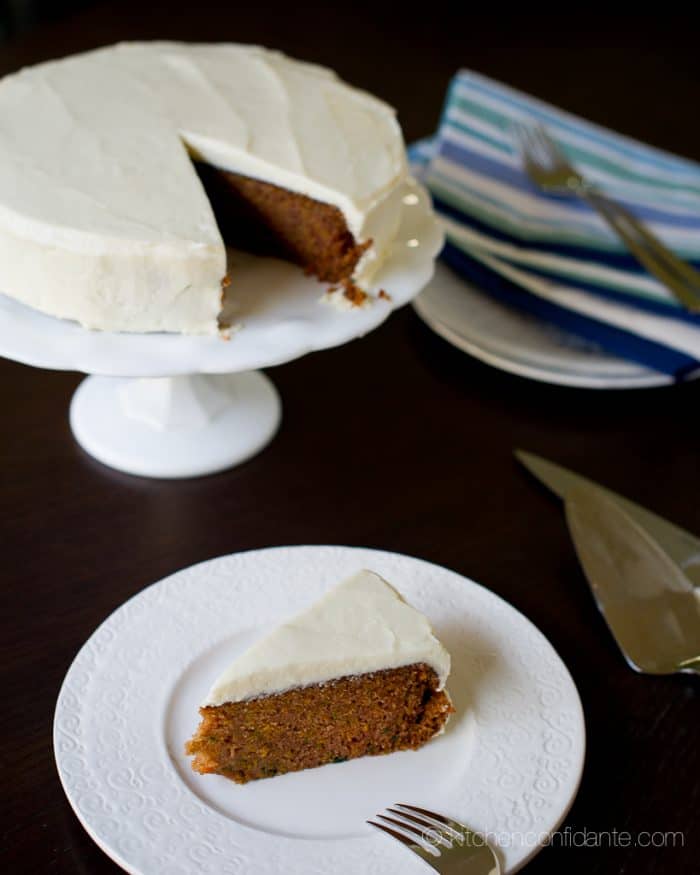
pixel 359 672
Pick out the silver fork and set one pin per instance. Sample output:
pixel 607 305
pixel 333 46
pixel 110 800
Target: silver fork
pixel 446 845
pixel 549 169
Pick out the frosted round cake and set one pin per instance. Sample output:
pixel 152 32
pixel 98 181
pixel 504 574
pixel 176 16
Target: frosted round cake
pixel 123 169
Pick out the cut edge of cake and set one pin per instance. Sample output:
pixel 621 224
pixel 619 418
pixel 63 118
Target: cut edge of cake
pixel 264 219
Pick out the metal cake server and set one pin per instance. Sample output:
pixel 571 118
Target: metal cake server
pixel 682 547
pixel 649 604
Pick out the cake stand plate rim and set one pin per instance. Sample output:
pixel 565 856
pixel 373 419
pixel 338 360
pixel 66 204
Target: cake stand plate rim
pixel 271 336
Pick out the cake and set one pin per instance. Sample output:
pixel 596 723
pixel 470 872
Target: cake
pixel 359 672
pixel 120 167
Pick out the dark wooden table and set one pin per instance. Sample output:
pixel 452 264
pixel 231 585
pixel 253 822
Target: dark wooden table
pixel 424 433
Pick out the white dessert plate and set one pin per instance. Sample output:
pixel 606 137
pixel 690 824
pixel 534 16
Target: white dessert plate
pixel 522 344
pixel 277 309
pixel 508 764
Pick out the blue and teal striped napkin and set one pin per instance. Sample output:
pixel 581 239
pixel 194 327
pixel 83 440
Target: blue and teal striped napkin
pixel 555 256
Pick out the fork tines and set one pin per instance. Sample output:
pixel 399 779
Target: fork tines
pixel 533 140
pixel 446 845
pixel 421 830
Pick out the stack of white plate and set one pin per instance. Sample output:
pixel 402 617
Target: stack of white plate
pixel 522 344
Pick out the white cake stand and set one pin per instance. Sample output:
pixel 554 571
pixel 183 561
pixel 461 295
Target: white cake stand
pixel 167 405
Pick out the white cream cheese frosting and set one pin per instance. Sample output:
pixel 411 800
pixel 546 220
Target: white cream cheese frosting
pixel 103 218
pixel 361 625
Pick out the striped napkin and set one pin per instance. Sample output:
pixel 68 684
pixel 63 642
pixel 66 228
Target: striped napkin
pixel 554 256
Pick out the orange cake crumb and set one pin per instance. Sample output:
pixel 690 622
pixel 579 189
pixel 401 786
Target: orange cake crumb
pixel 266 219
pixel 374 713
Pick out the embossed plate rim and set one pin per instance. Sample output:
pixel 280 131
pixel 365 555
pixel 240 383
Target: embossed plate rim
pixel 523 775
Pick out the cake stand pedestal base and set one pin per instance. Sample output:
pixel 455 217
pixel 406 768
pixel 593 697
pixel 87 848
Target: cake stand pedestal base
pixel 174 427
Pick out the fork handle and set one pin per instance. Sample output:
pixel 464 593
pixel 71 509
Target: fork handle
pixel 680 278
pixel 677 265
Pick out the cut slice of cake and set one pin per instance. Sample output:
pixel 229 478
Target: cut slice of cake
pixel 360 672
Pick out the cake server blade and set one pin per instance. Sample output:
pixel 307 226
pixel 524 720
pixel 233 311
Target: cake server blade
pixel 650 606
pixel 681 546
